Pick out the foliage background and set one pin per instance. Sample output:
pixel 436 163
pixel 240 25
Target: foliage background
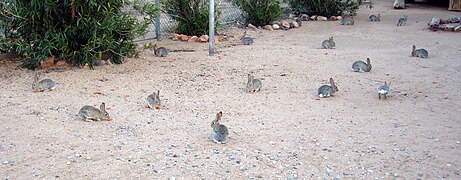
pixel 77 31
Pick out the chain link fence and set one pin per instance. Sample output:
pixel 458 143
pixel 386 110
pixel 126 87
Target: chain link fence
pixel 229 14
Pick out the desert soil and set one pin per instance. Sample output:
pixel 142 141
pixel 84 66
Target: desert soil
pixel 281 132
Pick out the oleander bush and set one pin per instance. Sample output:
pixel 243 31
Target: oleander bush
pixel 77 31
pixel 259 12
pixel 325 8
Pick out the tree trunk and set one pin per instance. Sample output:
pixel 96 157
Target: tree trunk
pixel 454 5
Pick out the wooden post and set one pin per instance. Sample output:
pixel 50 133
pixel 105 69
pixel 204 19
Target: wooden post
pixel 157 22
pixel 211 29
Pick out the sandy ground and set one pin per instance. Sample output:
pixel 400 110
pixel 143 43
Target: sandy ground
pixel 281 132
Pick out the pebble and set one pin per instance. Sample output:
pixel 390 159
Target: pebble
pixel 457 142
pixel 68 162
pixel 172 178
pixel 6 162
pixel 215 151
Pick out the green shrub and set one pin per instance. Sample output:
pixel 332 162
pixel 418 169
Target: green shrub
pixel 260 12
pixel 78 31
pixel 192 15
pixel 325 8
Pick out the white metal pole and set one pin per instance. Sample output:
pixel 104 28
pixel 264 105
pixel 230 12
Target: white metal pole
pixel 211 29
pixel 157 22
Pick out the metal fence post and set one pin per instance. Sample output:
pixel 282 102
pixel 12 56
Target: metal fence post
pixel 157 22
pixel 211 29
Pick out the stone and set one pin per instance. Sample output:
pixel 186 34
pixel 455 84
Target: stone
pixel 176 36
pixel 295 24
pixel 275 26
pixel 251 26
pixel 339 18
pixel 193 39
pixel 304 17
pixel 47 62
pixel 314 17
pixel 268 27
pixel 322 18
pixel 62 63
pixel 183 37
pixel 285 24
pixel 203 38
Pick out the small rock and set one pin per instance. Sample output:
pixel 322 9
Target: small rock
pixel 193 39
pixel 203 38
pixel 62 63
pixel 275 26
pixel 268 27
pixel 295 24
pixel 457 142
pixel 215 151
pixel 184 37
pixel 172 178
pixel 322 18
pixel 304 17
pixel 155 171
pixel 47 63
pixel 6 162
pixel 339 18
pixel 314 17
pixel 68 162
pixel 285 24
pixel 251 26
pixel 176 36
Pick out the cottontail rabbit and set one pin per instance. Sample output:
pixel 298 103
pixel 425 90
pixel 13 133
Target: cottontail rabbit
pixel 43 85
pixel 360 66
pixel 421 53
pixel 160 51
pixel 348 21
pixel 375 18
pixel 383 90
pixel 153 100
pixel 220 133
pixel 246 40
pixel 402 21
pixel 253 85
pixel 327 90
pixel 328 44
pixel 90 113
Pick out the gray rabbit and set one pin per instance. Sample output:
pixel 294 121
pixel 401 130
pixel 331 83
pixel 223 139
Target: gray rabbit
pixel 421 53
pixel 360 66
pixel 328 44
pixel 90 113
pixel 347 21
pixel 161 51
pixel 253 85
pixel 153 100
pixel 327 90
pixel 43 85
pixel 220 133
pixel 402 21
pixel 246 40
pixel 383 90
pixel 375 18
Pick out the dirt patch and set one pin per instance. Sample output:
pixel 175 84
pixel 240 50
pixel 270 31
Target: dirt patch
pixel 280 132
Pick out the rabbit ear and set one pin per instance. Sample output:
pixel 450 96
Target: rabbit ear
pixel 388 85
pixel 332 82
pixel 35 77
pixel 249 77
pixel 102 107
pixel 368 60
pixel 158 93
pixel 414 47
pixel 218 116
